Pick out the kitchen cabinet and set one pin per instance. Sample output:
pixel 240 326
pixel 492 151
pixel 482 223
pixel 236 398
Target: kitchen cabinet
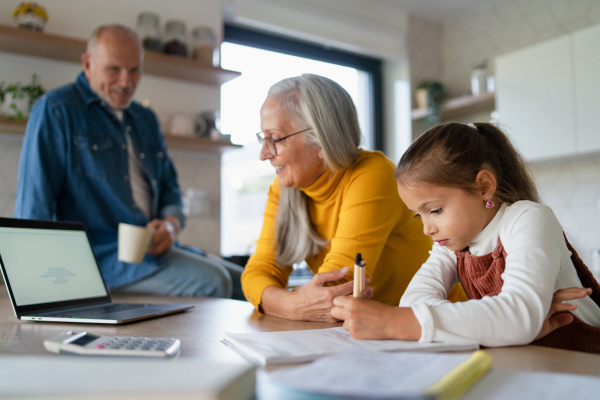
pixel 586 52
pixel 546 95
pixel 56 47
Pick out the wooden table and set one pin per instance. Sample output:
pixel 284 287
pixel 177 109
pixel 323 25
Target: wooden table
pixel 200 329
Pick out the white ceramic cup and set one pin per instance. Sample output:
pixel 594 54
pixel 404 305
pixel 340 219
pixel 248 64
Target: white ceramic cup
pixel 186 125
pixel 134 242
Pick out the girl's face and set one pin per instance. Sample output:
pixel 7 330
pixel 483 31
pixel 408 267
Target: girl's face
pixel 452 217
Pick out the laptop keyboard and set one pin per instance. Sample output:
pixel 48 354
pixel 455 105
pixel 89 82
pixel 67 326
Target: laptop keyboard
pixel 89 312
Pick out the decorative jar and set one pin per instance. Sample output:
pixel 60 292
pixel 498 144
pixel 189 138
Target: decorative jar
pixel 30 15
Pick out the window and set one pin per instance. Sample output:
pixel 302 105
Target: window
pixel 264 60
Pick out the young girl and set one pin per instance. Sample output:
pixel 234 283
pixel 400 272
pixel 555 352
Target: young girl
pixel 476 199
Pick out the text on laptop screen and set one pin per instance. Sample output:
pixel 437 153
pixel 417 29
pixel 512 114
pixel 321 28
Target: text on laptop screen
pixel 48 265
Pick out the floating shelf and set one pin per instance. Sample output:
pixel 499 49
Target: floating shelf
pixel 63 48
pixel 173 142
pixel 460 107
pixel 12 126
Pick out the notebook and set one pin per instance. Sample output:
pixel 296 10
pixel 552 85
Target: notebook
pixel 266 348
pixel 362 374
pixel 113 378
pixel 51 274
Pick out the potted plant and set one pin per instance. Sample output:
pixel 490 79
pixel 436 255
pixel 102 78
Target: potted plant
pixel 435 94
pixel 17 99
pixel 30 15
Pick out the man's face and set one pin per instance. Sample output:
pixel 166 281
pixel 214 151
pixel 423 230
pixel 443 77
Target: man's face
pixel 114 67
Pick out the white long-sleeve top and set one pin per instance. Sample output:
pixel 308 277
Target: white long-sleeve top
pixel 537 264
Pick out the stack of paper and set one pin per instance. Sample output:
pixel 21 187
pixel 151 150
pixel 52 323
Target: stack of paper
pixel 299 346
pixel 384 375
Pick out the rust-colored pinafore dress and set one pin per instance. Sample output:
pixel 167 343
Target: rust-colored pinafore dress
pixel 481 276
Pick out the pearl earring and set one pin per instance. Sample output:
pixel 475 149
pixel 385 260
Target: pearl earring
pixel 489 204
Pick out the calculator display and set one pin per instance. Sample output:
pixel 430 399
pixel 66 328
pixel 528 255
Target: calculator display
pixel 82 341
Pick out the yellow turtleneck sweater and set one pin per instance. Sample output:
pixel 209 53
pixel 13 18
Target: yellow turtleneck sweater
pixel 358 211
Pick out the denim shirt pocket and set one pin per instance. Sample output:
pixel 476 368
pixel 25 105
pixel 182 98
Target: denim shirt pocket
pixel 93 155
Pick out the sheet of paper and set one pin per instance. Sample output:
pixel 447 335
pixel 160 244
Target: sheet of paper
pixel 297 346
pixel 367 375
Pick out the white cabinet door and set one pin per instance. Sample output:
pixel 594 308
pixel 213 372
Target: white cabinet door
pixel 586 51
pixel 535 99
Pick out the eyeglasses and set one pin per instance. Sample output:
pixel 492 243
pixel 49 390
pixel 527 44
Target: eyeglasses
pixel 271 143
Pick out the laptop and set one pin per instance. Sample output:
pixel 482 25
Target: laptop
pixel 51 274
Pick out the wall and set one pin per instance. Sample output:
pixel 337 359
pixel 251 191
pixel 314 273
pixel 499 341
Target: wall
pixel 78 19
pixel 570 187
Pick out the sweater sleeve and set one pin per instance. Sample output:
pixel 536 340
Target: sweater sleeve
pixel 433 281
pixel 533 240
pixel 261 270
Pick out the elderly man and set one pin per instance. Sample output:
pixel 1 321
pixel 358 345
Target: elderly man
pixel 91 154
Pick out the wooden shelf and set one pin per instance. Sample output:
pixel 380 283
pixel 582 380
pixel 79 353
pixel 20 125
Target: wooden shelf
pixel 460 107
pixel 200 144
pixel 63 48
pixel 12 126
pixel 173 142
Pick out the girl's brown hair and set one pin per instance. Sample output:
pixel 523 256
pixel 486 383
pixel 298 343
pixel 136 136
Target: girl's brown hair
pixel 452 154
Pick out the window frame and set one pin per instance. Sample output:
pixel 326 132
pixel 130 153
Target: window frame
pixel 372 66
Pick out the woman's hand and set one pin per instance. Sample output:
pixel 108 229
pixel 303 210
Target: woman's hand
pixel 311 302
pixel 552 321
pixel 367 319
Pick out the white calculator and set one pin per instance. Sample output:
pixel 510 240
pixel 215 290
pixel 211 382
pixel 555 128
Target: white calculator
pixel 84 343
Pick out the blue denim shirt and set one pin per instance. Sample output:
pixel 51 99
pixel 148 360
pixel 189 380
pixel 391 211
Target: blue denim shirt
pixel 74 167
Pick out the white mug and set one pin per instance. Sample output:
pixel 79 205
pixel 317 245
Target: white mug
pixel 134 242
pixel 186 125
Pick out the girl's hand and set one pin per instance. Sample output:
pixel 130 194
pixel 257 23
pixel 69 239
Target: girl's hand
pixel 552 321
pixel 311 302
pixel 367 319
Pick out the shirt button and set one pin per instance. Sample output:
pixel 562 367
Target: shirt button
pixel 124 146
pixel 159 154
pixel 128 129
pixel 142 156
pixel 126 177
pixel 95 147
pixel 153 182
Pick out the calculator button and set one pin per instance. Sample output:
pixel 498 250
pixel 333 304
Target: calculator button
pixel 100 346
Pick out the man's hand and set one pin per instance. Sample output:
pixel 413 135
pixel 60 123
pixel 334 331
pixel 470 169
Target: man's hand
pixel 165 234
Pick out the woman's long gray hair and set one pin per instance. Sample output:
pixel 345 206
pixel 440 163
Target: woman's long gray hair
pixel 320 103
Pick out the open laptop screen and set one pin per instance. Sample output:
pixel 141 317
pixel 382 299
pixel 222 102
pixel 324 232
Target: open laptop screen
pixel 49 265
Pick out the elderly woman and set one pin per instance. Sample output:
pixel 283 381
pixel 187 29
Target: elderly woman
pixel 329 201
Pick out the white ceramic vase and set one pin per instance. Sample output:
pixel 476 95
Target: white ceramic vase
pixel 11 106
